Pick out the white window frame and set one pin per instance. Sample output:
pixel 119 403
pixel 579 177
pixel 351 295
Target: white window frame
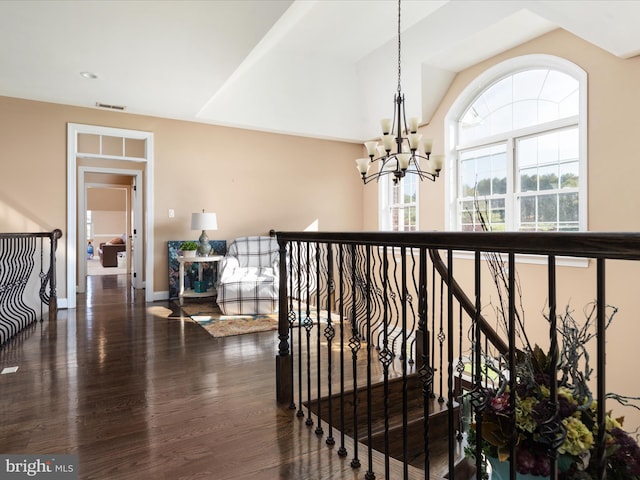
pixel 471 93
pixel 386 203
pixel 89 222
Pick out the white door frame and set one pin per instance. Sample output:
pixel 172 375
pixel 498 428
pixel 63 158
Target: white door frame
pixel 73 130
pixel 133 202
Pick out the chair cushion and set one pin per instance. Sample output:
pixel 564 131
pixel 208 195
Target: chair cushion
pixel 251 290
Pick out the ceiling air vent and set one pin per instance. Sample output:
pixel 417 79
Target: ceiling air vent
pixel 110 107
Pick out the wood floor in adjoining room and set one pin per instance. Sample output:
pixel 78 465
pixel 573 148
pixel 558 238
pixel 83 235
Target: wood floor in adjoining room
pixel 138 395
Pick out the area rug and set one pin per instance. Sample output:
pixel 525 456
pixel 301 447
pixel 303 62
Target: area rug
pixel 209 317
pixel 238 325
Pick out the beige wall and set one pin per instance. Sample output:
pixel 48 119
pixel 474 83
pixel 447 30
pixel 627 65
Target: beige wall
pixel 110 199
pixel 108 213
pixel 614 202
pixel 108 225
pixel 254 181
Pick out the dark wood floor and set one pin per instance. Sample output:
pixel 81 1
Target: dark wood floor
pixel 138 395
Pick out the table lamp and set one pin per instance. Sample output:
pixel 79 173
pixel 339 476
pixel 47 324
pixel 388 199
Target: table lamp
pixel 204 221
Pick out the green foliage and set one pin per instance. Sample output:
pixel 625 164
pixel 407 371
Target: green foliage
pixel 186 246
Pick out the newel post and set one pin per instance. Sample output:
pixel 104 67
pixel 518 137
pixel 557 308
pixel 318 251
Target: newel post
pixel 284 360
pixel 53 294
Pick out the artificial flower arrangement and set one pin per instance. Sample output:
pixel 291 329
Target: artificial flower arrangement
pixel 574 437
pixel 571 430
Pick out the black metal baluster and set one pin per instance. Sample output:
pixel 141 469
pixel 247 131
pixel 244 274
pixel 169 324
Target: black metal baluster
pixel 441 338
pixel 385 356
pixel 403 348
pixel 601 328
pixel 300 326
pixel 342 451
pixel 460 372
pixel 413 345
pixel 553 428
pixel 394 317
pixel 433 328
pixel 308 325
pixel 450 346
pixel 425 370
pixel 329 334
pixel 375 312
pixel 354 345
pixel 319 430
pixel 478 396
pixel 369 475
pixel 512 365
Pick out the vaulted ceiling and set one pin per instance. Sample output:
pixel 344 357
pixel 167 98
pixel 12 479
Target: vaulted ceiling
pixel 319 68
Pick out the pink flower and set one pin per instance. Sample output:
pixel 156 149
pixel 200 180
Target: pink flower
pixel 500 403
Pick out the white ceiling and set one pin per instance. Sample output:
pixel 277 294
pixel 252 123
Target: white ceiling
pixel 320 68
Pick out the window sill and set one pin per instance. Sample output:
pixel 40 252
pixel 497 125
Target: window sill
pixel 576 262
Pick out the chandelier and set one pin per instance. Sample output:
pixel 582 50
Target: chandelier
pixel 412 155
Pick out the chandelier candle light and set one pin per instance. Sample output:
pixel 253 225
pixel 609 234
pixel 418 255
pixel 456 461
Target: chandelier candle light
pixel 410 149
pixel 204 221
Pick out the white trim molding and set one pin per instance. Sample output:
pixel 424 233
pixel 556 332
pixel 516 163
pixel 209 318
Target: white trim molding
pixel 73 130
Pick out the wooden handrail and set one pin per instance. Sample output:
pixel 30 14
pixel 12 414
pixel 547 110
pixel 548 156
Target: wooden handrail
pixel 466 303
pixel 614 245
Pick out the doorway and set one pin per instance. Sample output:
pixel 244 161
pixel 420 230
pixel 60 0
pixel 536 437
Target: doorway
pixel 108 208
pixel 110 151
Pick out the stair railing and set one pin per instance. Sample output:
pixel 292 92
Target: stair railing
pixel 390 303
pixel 27 280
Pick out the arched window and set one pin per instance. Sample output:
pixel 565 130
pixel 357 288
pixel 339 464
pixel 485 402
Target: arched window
pixel 517 143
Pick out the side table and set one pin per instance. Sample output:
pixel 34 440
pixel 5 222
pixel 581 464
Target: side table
pixel 199 260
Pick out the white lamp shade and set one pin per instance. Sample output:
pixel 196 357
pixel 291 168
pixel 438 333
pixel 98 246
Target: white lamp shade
pixel 204 221
pixel 385 123
pixel 403 160
pixel 363 165
pixel 387 141
pixel 438 161
pixel 371 148
pixel 414 140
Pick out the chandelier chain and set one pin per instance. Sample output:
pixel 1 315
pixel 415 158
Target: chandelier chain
pixel 399 58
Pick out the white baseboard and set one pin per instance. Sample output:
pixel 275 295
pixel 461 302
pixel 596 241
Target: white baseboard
pixel 159 296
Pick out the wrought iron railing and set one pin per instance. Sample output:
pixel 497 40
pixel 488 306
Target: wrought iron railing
pixel 27 280
pixel 367 317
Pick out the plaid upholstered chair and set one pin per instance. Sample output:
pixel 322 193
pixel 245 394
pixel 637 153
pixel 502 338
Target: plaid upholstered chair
pixel 249 277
